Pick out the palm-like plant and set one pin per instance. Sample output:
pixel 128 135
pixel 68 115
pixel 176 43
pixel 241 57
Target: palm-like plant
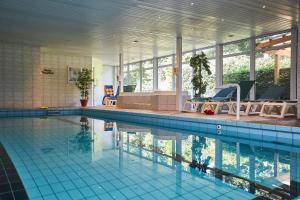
pixel 199 63
pixel 84 82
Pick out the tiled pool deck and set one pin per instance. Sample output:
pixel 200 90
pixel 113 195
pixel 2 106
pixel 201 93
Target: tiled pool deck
pixel 291 121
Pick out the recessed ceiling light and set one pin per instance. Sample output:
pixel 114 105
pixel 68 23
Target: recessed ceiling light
pixel 192 3
pixel 264 6
pixel 222 20
pixel 158 17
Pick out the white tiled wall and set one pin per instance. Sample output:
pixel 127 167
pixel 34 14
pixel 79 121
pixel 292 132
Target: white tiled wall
pixel 23 86
pixel 20 78
pixel 57 92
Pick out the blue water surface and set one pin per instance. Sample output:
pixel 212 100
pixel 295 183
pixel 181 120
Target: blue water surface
pixel 83 158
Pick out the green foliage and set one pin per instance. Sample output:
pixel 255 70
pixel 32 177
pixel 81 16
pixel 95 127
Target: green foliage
pixel 264 78
pixel 84 82
pixel 200 64
pixel 199 143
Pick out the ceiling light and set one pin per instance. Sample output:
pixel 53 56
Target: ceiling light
pixel 264 6
pixel 222 20
pixel 192 3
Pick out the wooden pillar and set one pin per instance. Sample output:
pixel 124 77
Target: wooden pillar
pixel 277 69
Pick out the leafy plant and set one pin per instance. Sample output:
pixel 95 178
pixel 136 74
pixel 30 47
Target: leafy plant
pixel 199 143
pixel 84 82
pixel 200 64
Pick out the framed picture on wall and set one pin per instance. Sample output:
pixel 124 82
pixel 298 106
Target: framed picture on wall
pixel 73 74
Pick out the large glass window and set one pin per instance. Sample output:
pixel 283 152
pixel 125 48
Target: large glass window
pixel 147 80
pixel 165 73
pixel 168 60
pixel 187 73
pixel 235 48
pixel 147 76
pixel 236 69
pixel 273 63
pixel 132 76
pixel 273 68
pixel 165 78
pixel 236 62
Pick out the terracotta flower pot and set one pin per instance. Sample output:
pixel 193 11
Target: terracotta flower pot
pixel 84 102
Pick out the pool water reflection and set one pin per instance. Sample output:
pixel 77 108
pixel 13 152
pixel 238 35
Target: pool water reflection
pixel 83 158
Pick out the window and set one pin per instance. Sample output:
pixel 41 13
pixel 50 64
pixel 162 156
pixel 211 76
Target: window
pixel 273 62
pixel 273 68
pixel 165 73
pixel 147 80
pixel 236 69
pixel 238 47
pixel 186 57
pixel 187 73
pixel 165 78
pixel 211 83
pixel 132 77
pixel 168 60
pixel 236 62
pixel 147 76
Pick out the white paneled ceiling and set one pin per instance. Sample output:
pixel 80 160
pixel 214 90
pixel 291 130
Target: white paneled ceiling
pixel 106 27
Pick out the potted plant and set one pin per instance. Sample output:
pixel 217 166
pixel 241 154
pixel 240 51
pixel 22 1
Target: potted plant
pixel 200 64
pixel 84 83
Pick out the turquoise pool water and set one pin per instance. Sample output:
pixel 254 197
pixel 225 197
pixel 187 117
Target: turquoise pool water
pixel 84 158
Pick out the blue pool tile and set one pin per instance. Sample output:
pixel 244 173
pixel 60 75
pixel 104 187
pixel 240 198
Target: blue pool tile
pixel 87 192
pixel 283 137
pixel 243 132
pixel 45 190
pixel 50 197
pixel 296 130
pixel 284 128
pixel 75 194
pixel 256 134
pixel 57 187
pixel 63 196
pixel 270 136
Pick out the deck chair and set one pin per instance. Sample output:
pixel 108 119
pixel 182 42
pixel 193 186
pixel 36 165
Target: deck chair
pixel 254 107
pixel 218 106
pixel 109 98
pixel 279 108
pixel 197 102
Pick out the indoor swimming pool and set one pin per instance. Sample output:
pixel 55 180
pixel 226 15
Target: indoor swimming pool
pixel 76 157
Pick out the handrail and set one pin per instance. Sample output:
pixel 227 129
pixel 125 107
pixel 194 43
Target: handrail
pixel 238 97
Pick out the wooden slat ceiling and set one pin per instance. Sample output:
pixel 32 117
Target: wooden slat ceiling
pixel 105 27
